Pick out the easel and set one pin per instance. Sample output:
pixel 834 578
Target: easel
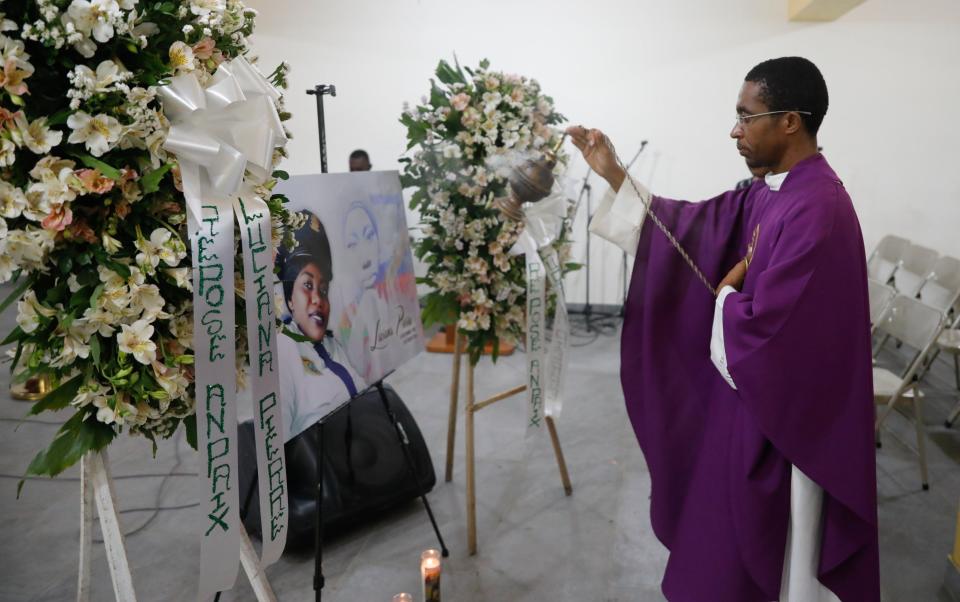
pixel 471 408
pixel 96 487
pixel 318 579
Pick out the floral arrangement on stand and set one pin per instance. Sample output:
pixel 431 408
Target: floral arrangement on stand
pixel 462 141
pixel 92 214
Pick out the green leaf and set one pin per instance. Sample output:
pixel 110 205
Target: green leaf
pixel 75 438
pixel 449 75
pixel 17 334
pixel 59 118
pixel 190 424
pixel 95 349
pixel 150 182
pixel 59 398
pixel 95 297
pixel 110 172
pixel 119 268
pixel 15 295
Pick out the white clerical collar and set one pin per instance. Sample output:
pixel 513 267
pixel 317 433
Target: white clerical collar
pixel 775 180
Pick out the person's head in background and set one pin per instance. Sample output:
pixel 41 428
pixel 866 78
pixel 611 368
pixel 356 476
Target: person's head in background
pixel 360 160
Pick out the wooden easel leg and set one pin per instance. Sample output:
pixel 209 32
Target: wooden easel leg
pixel 561 463
pixel 255 572
pixel 86 530
pixel 110 526
pixel 471 476
pixel 454 395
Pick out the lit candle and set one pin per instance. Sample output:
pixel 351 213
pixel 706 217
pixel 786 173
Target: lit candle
pixel 403 598
pixel 430 571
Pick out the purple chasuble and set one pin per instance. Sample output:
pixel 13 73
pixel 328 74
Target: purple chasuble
pixel 797 339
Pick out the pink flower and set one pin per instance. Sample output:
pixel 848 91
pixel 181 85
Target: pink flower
pixel 204 48
pixel 93 181
pixel 460 101
pixel 13 74
pixel 58 219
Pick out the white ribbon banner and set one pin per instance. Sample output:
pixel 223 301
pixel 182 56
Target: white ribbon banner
pixel 218 134
pixel 216 393
pixel 255 232
pixel 546 355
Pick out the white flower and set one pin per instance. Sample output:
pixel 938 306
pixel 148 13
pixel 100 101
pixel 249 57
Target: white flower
pixel 147 299
pixel 76 342
pixel 205 7
pixel 7 266
pixel 135 339
pixel 88 393
pixel 28 248
pixel 37 136
pixel 7 152
pixel 29 311
pixel 111 244
pixel 182 328
pixel 96 17
pixel 161 246
pixel 12 200
pixel 99 133
pixel 182 276
pixel 101 319
pixel 181 57
pixel 172 380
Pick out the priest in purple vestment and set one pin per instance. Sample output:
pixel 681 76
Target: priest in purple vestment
pixel 753 406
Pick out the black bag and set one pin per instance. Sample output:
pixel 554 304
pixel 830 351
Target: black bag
pixel 364 468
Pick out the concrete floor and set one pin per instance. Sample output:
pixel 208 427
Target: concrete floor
pixel 535 544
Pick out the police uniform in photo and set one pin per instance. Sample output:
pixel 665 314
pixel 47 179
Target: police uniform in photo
pixel 316 377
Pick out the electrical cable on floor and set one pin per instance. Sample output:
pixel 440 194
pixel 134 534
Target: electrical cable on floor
pixel 156 508
pixel 31 421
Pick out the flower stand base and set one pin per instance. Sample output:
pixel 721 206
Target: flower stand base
pixel 471 408
pixel 96 488
pixel 442 342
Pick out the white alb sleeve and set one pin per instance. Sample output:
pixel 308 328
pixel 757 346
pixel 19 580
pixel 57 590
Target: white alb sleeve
pixel 620 215
pixel 718 353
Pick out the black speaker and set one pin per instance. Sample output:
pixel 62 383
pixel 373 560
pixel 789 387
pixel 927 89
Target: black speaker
pixel 364 468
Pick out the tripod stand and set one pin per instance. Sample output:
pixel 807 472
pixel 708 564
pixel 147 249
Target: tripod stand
pixel 318 578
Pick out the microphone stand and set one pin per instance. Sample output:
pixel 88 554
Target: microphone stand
pixel 623 304
pixel 319 91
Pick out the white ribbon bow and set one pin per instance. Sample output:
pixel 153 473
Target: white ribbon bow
pixel 225 129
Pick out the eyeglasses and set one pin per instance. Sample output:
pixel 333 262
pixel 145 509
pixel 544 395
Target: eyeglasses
pixel 744 119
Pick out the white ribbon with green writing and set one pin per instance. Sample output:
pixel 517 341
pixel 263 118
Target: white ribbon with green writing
pixel 546 349
pixel 264 378
pixel 221 135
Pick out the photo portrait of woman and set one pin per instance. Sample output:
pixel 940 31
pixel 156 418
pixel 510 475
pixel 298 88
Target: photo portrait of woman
pixel 317 376
pixel 379 287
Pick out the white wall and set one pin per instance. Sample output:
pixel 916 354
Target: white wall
pixel 668 72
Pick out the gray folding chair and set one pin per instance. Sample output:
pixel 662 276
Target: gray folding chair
pixel 881 296
pixel 942 287
pixel 883 260
pixel 915 266
pixel 917 325
pixel 942 291
pixel 949 342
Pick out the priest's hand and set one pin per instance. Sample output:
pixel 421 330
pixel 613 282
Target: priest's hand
pixel 599 154
pixel 734 277
pixel 738 274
